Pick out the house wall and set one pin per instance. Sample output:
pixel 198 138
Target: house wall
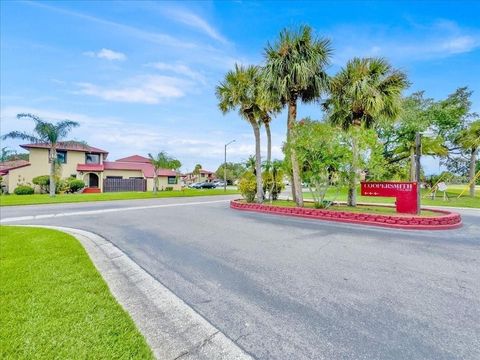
pixel 162 184
pixel 39 165
pixel 123 173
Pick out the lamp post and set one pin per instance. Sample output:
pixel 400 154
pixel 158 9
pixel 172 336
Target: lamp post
pixel 418 154
pixel 225 167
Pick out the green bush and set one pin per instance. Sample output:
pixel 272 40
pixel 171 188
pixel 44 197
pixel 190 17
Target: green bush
pixel 269 185
pixel 75 184
pixel 169 188
pixel 23 190
pixel 43 181
pixel 248 186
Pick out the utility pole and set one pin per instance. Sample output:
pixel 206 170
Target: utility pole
pixel 418 154
pixel 225 167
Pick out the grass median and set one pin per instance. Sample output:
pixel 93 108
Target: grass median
pixel 10 200
pixel 55 305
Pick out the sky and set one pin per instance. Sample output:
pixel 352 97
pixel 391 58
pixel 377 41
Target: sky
pixel 140 76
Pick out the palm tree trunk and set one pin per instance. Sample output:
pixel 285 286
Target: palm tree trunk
pixel 352 183
pixel 53 159
pixel 471 171
pixel 258 160
pixel 296 183
pixel 413 176
pixel 269 141
pixel 155 181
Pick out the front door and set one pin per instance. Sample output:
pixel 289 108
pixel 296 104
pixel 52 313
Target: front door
pixel 93 180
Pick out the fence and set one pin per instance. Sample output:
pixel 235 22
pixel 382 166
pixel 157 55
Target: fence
pixel 115 185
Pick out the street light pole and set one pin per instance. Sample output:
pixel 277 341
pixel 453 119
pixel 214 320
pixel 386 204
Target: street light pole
pixel 418 154
pixel 225 167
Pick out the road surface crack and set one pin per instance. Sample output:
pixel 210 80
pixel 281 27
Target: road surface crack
pixel 198 346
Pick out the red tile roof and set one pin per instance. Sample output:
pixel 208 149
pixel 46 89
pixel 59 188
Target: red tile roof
pixel 90 167
pixel 135 158
pixel 72 146
pixel 146 168
pixel 6 166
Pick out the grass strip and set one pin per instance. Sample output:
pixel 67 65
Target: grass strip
pixel 55 305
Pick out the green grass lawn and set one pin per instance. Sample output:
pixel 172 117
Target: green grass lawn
pixel 55 305
pixel 370 209
pixel 9 200
pixel 453 192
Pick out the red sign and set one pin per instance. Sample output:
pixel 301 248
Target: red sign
pixel 404 192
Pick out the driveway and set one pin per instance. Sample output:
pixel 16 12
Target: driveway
pixel 290 288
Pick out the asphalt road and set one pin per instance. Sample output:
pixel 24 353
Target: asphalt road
pixel 290 288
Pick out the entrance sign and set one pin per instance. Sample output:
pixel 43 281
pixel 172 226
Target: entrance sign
pixel 404 192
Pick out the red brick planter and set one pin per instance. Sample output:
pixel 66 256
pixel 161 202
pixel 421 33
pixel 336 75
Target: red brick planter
pixel 444 220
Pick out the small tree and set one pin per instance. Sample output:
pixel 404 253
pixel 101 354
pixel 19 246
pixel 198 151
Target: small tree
pixel 197 171
pixel 323 156
pixel 45 133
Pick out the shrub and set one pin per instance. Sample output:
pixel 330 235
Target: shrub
pixel 248 186
pixel 23 190
pixel 169 188
pixel 274 188
pixel 43 181
pixel 75 184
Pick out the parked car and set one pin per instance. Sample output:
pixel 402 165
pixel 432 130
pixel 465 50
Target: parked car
pixel 219 183
pixel 207 185
pixel 194 185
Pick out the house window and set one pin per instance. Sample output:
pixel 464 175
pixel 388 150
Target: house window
pixel 136 177
pixel 92 158
pixel 62 156
pixel 172 180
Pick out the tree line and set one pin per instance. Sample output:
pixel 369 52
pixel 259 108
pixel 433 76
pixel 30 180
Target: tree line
pixel 368 126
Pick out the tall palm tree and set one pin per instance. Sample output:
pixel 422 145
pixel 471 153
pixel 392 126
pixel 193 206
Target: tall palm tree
pixel 45 133
pixel 240 90
pixel 363 92
pixel 162 161
pixel 295 70
pixel 469 139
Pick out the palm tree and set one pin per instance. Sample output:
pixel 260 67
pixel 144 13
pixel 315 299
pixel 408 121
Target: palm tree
pixel 295 70
pixel 45 133
pixel 196 171
pixel 162 161
pixel 240 90
pixel 251 164
pixel 469 139
pixel 363 92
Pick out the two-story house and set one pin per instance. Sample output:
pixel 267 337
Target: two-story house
pixel 89 164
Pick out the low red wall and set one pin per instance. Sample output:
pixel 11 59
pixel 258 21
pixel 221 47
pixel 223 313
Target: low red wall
pixel 444 220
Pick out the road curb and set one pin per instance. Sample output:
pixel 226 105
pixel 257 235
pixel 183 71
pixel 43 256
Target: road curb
pixel 172 329
pixel 446 220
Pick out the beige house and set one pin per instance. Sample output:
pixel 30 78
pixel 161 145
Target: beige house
pixel 133 173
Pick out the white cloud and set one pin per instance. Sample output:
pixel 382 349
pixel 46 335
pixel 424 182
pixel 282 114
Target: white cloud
pixel 148 89
pixel 180 69
pixel 190 19
pixel 433 41
pixel 107 54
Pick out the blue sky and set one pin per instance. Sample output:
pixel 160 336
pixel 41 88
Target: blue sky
pixel 140 76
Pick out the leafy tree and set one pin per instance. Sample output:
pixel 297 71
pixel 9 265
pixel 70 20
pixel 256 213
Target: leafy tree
pixel 6 153
pixel 233 171
pixel 363 92
pixel 240 91
pixel 295 70
pixel 469 140
pixel 46 133
pixel 323 155
pixel 162 161
pixel 251 163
